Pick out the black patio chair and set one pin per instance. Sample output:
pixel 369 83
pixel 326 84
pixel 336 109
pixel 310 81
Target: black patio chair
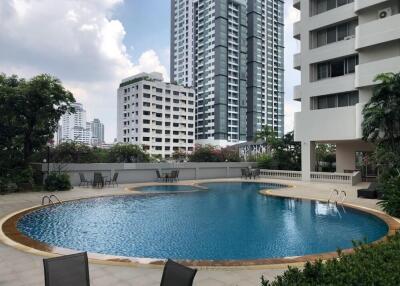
pixel 173 176
pixel 368 193
pixel 113 180
pixel 159 176
pixel 98 180
pixel 175 274
pixel 67 270
pixel 84 181
pixel 256 173
pixel 245 173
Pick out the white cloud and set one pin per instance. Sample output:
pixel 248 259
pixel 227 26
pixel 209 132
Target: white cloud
pixel 77 41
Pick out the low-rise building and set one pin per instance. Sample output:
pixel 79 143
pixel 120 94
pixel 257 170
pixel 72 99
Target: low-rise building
pixel 156 115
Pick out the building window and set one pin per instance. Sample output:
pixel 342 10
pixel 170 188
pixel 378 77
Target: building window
pixel 334 100
pixel 321 6
pixel 333 34
pixel 336 67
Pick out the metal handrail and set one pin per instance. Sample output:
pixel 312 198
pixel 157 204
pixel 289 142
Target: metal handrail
pixel 330 196
pixel 49 200
pixel 54 196
pixel 343 198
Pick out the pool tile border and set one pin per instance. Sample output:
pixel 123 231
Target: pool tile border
pixel 10 235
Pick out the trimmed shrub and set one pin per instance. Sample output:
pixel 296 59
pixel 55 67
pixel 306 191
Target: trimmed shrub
pixel 57 182
pixel 390 189
pixel 370 264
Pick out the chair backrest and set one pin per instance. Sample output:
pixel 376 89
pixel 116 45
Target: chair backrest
pixel 175 274
pixel 244 171
pixel 97 177
pixel 115 177
pixel 174 174
pixel 82 177
pixel 67 270
pixel 158 174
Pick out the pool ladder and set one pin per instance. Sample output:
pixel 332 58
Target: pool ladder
pixel 50 201
pixel 340 196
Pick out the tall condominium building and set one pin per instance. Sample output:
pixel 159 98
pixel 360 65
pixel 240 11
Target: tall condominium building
pixel 265 68
pixel 181 64
pixel 156 115
pixel 344 45
pixel 97 129
pixel 234 51
pixel 74 126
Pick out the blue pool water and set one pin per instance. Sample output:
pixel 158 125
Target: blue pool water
pixel 229 221
pixel 167 188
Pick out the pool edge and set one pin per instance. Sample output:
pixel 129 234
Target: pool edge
pixel 11 236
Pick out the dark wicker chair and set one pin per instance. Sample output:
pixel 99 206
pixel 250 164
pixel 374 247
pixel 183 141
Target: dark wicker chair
pixel 98 180
pixel 175 274
pixel 84 181
pixel 159 176
pixel 67 270
pixel 113 180
pixel 245 173
pixel 369 193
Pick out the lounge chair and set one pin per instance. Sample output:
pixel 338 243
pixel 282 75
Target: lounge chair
pixel 175 274
pixel 67 270
pixel 113 180
pixel 83 180
pixel 369 193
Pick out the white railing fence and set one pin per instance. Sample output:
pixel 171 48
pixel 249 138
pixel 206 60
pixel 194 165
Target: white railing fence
pixel 340 178
pixel 280 174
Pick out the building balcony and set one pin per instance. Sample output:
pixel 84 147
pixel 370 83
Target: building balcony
pixel 330 17
pixel 331 51
pixel 329 86
pixel 331 124
pixel 362 4
pixel 378 31
pixel 297 61
pixel 296 30
pixel 365 73
pixel 296 4
pixel 297 93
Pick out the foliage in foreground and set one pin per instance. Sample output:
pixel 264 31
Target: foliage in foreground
pixel 29 115
pixel 57 182
pixel 377 264
pixel 381 126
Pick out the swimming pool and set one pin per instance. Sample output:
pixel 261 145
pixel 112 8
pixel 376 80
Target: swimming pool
pixel 230 221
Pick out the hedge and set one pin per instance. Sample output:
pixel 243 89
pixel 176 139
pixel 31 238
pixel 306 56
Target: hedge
pixel 370 264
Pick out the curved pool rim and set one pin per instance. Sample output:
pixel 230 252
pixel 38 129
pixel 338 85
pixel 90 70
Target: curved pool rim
pixel 10 235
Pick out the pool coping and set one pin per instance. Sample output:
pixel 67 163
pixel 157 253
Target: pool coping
pixel 10 235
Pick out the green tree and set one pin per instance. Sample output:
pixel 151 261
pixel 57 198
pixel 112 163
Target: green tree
pixel 31 109
pixel 128 153
pixel 269 137
pixel 381 126
pixel 29 115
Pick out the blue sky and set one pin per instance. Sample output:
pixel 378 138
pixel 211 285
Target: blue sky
pixel 90 45
pixel 146 30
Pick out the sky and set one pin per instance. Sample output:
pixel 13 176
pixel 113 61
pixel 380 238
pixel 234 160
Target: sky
pixel 90 45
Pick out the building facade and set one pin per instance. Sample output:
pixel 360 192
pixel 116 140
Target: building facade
pixel 156 115
pixel 97 130
pixel 265 67
pixel 235 56
pixel 74 126
pixel 344 45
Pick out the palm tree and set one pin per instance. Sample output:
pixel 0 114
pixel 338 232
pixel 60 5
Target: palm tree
pixel 381 123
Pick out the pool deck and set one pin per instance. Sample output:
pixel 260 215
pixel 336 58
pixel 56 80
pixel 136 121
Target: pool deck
pixel 21 268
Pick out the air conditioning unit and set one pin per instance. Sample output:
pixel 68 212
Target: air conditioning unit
pixel 349 37
pixel 384 13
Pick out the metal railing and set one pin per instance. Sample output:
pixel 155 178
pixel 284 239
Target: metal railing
pixel 55 200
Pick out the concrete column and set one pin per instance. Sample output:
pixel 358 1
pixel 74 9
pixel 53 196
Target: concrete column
pixel 307 159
